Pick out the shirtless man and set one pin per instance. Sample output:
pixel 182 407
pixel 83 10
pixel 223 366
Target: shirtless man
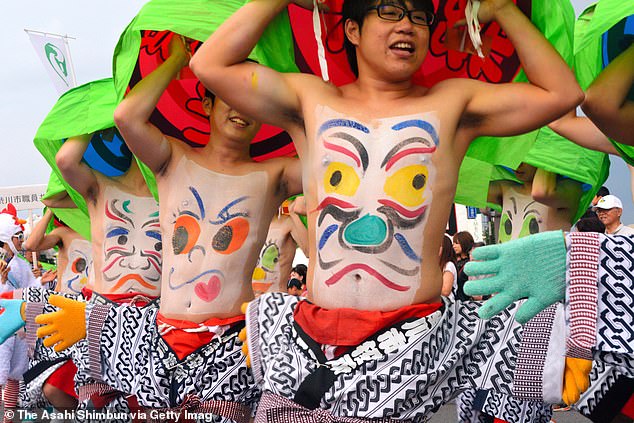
pixel 374 153
pixel 74 255
pixel 276 257
pixel 216 205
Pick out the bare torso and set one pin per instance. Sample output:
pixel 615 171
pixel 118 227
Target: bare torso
pixel 126 239
pixel 276 257
pixel 215 220
pixel 74 260
pixel 379 181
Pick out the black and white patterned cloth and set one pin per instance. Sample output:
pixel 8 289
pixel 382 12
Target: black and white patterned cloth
pixel 43 361
pixel 422 364
pixel 134 358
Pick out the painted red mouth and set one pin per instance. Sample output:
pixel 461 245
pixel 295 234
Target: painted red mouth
pixel 358 266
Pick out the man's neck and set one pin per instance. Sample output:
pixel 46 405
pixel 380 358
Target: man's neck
pixel 610 229
pixel 371 89
pixel 226 152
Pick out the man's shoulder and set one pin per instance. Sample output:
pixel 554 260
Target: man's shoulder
pixel 624 230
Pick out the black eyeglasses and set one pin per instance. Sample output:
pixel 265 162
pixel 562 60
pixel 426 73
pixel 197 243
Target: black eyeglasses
pixel 395 13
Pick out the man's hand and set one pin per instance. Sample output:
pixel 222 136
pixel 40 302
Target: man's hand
pixel 65 327
pixel 11 318
pixel 533 267
pixel 37 272
pixel 490 8
pixel 49 276
pixel 178 48
pixel 4 271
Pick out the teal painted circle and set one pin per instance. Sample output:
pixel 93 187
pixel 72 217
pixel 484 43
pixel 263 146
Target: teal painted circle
pixel 369 230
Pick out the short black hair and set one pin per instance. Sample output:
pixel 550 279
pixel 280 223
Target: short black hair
pixel 209 94
pixel 590 224
pixel 356 10
pixel 301 269
pixel 294 283
pixel 603 191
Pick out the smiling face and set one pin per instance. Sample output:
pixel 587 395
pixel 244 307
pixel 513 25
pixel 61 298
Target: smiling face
pixel 393 49
pixel 229 122
pixel 373 196
pixel 132 246
pixel 75 275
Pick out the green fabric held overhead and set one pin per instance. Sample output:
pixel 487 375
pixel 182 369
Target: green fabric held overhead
pixel 196 19
pixel 592 23
pixel 73 217
pixel 81 110
pixel 555 19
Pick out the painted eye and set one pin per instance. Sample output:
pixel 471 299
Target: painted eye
pixel 407 185
pixel 79 265
pixel 506 228
pixel 186 232
pixel 341 179
pixel 530 226
pixel 270 256
pixel 231 236
pixel 122 240
pixel 158 246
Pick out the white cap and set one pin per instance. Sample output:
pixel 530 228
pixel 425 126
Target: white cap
pixel 609 202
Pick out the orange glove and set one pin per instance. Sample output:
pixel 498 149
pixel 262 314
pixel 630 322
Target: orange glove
pixel 243 337
pixel 65 327
pixel 576 379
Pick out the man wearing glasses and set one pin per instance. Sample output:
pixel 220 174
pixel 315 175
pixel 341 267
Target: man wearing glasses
pixel 380 157
pixel 609 210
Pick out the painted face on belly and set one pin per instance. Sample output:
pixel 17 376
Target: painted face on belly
pixel 521 216
pixel 75 275
pixel 373 196
pixel 211 231
pixel 132 244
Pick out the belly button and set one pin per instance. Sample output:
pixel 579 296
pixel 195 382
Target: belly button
pixel 357 277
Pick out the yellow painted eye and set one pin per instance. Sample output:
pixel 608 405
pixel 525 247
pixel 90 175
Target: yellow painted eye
pixel 341 179
pixel 407 185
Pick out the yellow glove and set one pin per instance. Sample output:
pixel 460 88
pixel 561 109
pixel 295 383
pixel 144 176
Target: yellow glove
pixel 576 379
pixel 243 337
pixel 66 327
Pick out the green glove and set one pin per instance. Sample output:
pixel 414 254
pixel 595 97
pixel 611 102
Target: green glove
pixel 532 267
pixel 10 318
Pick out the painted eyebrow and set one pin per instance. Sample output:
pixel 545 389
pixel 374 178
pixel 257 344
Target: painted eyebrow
pixel 363 154
pixel 199 201
pixel 116 214
pixel 154 234
pixel 397 152
pixel 346 123
pixel 418 123
pixel 117 232
pixel 534 211
pixel 152 222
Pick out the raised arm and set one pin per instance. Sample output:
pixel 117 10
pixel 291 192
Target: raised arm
pixel 257 91
pixel 562 194
pixel 606 99
pixel 39 240
pixel 582 132
pixel 132 115
pixel 299 232
pixel 60 201
pixel 77 173
pixel 510 109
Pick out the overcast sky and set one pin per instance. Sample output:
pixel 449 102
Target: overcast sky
pixel 27 94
